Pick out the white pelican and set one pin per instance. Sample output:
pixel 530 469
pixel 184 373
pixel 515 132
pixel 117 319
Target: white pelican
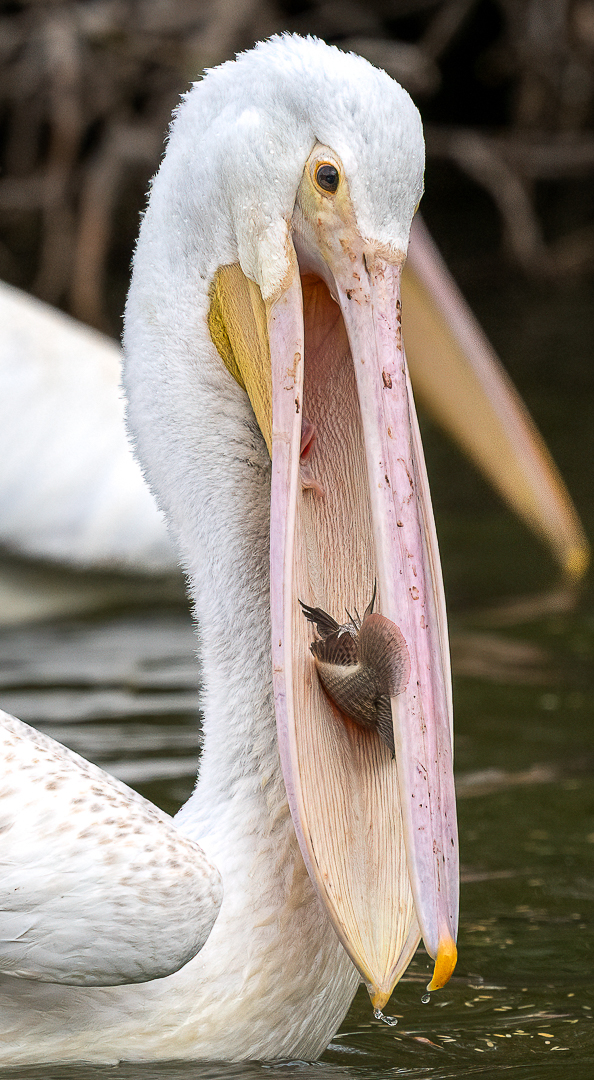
pixel 270 404
pixel 70 489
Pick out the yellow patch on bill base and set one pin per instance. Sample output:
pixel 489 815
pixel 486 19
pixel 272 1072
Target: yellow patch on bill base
pixel 238 327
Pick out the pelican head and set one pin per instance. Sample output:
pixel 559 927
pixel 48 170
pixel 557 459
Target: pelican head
pixel 271 407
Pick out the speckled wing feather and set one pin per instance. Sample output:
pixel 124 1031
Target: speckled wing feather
pixel 323 622
pixel 338 648
pixel 97 886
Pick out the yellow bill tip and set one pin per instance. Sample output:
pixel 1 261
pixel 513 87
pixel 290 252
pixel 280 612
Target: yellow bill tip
pixel 447 955
pixel 577 561
pixel 379 998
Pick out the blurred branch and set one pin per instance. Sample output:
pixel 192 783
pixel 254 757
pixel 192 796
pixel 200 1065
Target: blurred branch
pixel 502 165
pixel 535 157
pixel 125 145
pixel 444 26
pixel 63 65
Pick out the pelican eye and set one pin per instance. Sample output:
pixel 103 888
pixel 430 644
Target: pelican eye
pixel 327 177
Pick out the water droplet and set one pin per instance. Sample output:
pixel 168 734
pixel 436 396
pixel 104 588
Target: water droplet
pixel 391 1021
pixel 426 998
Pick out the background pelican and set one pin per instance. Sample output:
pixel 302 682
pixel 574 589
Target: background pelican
pixel 213 1007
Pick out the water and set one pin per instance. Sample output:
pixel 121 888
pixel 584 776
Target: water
pixel 391 1021
pixel 121 689
pixel 522 997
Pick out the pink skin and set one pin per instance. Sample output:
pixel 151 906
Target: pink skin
pixel 285 335
pixel 409 581
pixel 308 438
pixel 409 596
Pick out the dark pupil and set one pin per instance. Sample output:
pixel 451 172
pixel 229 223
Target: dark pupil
pixel 327 177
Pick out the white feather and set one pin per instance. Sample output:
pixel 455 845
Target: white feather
pixel 96 886
pixel 70 490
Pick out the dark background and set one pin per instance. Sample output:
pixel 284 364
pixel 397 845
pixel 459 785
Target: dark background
pixel 506 89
